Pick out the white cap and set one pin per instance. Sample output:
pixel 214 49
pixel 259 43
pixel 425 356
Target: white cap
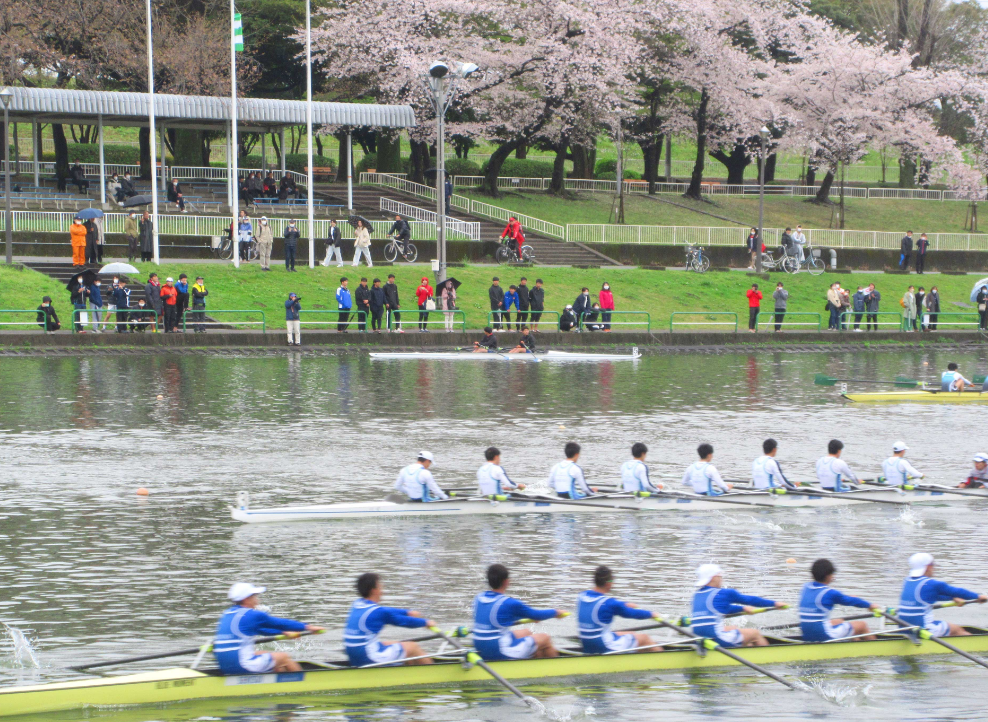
pixel 425 455
pixel 918 563
pixel 264 218
pixel 241 590
pixel 981 457
pixel 899 446
pixel 706 572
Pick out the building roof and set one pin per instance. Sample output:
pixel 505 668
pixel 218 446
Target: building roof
pixel 49 105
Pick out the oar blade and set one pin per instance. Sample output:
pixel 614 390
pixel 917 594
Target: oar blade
pixel 904 382
pixel 824 380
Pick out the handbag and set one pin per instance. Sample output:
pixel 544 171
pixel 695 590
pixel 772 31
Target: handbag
pixel 430 304
pixel 982 307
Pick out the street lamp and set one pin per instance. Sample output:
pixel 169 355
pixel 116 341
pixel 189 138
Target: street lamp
pixel 763 134
pixel 6 95
pixel 441 92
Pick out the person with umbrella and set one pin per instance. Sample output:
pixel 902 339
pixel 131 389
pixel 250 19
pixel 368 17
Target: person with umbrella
pixel 77 232
pixel 78 287
pixel 447 297
pixel 979 295
pixel 361 244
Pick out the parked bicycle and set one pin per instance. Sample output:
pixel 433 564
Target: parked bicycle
pixel 407 250
pixel 224 249
pixel 785 261
pixel 506 254
pixel 695 260
pixel 811 262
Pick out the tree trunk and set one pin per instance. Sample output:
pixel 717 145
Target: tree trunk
pixel 205 148
pixel 61 150
pixel 495 164
pixel 388 152
pixel 344 161
pixel 735 163
pixel 770 162
pixel 420 161
pixel 584 161
pixel 907 173
pixel 696 180
pixel 823 195
pixel 902 24
pixel 144 145
pixel 557 183
pixel 521 152
pixel 651 146
pixel 187 147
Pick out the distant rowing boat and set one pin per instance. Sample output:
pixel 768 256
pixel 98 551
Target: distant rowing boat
pixel 505 356
pixel 920 396
pixel 181 683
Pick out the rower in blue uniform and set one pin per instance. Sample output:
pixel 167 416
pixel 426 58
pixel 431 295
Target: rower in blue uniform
pixel 951 379
pixel 703 476
pixel 634 473
pixel 416 482
pixel 765 470
pixel 921 591
pixel 832 471
pixel 566 477
pixel 493 614
pixel 817 601
pixel 241 624
pixel 361 637
pixel 491 477
pixel 595 612
pixel 896 471
pixel 712 602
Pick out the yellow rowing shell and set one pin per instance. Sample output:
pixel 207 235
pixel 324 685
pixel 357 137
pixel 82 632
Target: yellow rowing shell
pixel 924 397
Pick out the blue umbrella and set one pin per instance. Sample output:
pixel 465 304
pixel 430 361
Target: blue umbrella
pixel 977 287
pixel 87 213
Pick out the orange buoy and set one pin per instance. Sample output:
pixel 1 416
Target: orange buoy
pixel 790 560
pixel 143 492
pixel 160 397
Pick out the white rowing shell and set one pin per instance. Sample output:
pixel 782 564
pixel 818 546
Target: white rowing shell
pixel 503 356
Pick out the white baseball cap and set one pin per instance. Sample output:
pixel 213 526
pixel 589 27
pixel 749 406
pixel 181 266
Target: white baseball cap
pixel 706 572
pixel 918 563
pixel 169 279
pixel 899 446
pixel 981 457
pixel 425 455
pixel 241 590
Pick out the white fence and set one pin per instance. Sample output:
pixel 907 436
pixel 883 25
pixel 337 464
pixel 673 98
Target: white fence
pixel 454 228
pixel 26 167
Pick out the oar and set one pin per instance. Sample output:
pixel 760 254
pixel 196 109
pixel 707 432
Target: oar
pixel 537 359
pixel 685 621
pixel 572 502
pixel 184 652
pixel 823 492
pixel 712 645
pixel 900 381
pixel 924 634
pixel 855 617
pixel 931 487
pixel 474 658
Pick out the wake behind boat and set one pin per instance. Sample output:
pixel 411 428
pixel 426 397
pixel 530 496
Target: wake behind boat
pixel 504 356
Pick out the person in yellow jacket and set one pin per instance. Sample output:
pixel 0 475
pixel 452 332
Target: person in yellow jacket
pixel 78 233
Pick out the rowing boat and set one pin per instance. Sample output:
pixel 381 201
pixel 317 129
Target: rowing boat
pixel 920 494
pixel 181 683
pixel 920 396
pixel 504 356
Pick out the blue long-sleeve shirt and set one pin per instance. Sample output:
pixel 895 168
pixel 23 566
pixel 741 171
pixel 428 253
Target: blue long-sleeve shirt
pixel 292 308
pixel 344 301
pixel 239 626
pixel 510 297
pixel 367 619
pixel 94 296
pixel 505 610
pixel 816 602
pixel 936 590
pixel 595 612
pixel 731 601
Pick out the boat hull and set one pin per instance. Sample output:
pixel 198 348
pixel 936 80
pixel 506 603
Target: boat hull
pixel 503 356
pixel 922 397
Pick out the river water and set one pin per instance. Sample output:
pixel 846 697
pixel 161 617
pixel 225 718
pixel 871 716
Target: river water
pixel 89 570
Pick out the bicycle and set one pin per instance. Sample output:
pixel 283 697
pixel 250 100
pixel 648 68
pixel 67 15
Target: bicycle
pixel 224 251
pixel 812 262
pixel 785 262
pixel 505 254
pixel 407 249
pixel 695 260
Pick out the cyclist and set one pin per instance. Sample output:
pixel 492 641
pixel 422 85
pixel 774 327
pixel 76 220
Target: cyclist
pixel 515 236
pixel 401 233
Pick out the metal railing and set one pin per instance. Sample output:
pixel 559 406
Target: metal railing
pixel 606 324
pixel 861 319
pixel 132 323
pixel 546 228
pixel 412 316
pixel 332 317
pixel 234 322
pixel 33 312
pixel 528 320
pixel 769 319
pixel 704 314
pixel 972 319
pixel 462 229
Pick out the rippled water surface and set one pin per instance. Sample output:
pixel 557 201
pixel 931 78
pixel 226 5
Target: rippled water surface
pixel 89 570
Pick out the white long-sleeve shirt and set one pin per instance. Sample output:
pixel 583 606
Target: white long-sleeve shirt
pixel 704 478
pixel 634 476
pixel 416 482
pixel 833 473
pixel 567 477
pixel 766 474
pixel 492 479
pixel 897 470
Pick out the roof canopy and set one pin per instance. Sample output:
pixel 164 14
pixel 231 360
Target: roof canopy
pixel 195 112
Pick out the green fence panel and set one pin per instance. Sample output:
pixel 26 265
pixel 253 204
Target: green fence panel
pixel 31 313
pixel 105 318
pixel 213 312
pixel 424 319
pixel 330 317
pixel 812 319
pixel 731 321
pixel 646 321
pixel 894 322
pixel 972 319
pixel 528 321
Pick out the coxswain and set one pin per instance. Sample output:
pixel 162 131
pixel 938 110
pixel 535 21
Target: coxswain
pixel 921 591
pixel 703 476
pixel 765 470
pixel 712 602
pixel 951 380
pixel 977 478
pixel 566 477
pixel 416 482
pixel 634 473
pixel 488 344
pixel 493 615
pixel 241 624
pixel 817 601
pixel 361 637
pixel 491 477
pixel 832 471
pixel 896 471
pixel 595 612
pixel 526 344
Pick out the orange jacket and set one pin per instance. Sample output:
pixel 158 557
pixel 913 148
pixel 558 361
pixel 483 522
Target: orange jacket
pixel 78 231
pixel 169 294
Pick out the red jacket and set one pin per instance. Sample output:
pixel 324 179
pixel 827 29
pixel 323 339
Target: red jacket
pixel 754 298
pixel 169 294
pixel 606 300
pixel 423 293
pixel 513 230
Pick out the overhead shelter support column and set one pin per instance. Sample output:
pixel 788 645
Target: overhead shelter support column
pixel 283 166
pixel 35 143
pixel 102 163
pixel 264 151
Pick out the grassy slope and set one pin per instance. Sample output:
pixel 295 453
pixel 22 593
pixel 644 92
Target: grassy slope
pixel 22 288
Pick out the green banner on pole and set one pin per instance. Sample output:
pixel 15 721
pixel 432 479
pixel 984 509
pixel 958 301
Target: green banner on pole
pixel 238 33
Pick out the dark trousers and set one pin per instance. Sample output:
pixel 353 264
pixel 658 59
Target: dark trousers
pixel 121 321
pixel 145 257
pixel 920 262
pixel 871 322
pixel 131 248
pixel 857 320
pixel 522 318
pixel 78 307
pixel 834 321
pixel 171 317
pixel 290 257
pixel 423 318
pixel 780 313
pixel 984 319
pixel 91 247
pixel 377 316
pixel 394 320
pixel 904 262
pixel 606 317
pixel 506 317
pixel 933 321
pixel 362 319
pixel 495 319
pixel 181 306
pixel 536 316
pixel 753 318
pixel 199 316
pixel 344 320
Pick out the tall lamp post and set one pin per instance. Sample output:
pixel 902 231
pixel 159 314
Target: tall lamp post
pixel 8 218
pixel 763 134
pixel 441 92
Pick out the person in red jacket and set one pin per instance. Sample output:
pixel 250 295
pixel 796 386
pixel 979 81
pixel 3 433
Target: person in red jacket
pixel 606 300
pixel 169 297
pixel 754 305
pixel 422 294
pixel 513 231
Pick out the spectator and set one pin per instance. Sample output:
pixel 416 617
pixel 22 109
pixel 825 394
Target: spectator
pixel 568 320
pixel 199 294
pixel 141 318
pixel 845 303
pixel 361 244
pixel 287 187
pixel 344 302
pixel 834 306
pixel 182 304
pixel 982 300
pixel 582 304
pixel 245 191
pixel 77 232
pixel 256 186
pixel 114 188
pixel 510 299
pixel 362 297
pixel 932 302
pixel 121 301
pixel 127 189
pixel 908 303
pixel 270 186
pixel 753 244
pixel 291 246
pixel 131 233
pixel 524 300
pixel 96 304
pixel 265 242
pixel 905 250
pixel 606 305
pixel 392 305
pixel 169 303
pixel 47 318
pixel 333 245
pixel 781 298
pixel 377 302
pixel 423 295
pixel 448 191
pixel 788 244
pixel 78 178
pixel 448 298
pixel 591 321
pixel 174 194
pixel 872 299
pixel 92 242
pixel 754 306
pixel 537 298
pixel 920 308
pixel 922 246
pixel 799 243
pixel 244 233
pixel 495 295
pixel 147 237
pixel 859 307
pixel 292 319
pixel 77 297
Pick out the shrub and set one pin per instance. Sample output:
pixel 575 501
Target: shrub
pixel 607 165
pixel 523 168
pixel 367 162
pixel 461 166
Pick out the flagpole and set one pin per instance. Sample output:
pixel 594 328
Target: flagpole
pixel 308 123
pixel 154 145
pixel 234 185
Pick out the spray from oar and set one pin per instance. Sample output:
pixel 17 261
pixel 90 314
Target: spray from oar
pixel 23 653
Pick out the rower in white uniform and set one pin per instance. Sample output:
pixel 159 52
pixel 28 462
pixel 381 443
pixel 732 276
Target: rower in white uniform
pixel 416 482
pixel 951 380
pixel 703 476
pixel 896 471
pixel 832 471
pixel 765 470
pixel 566 477
pixel 491 478
pixel 634 473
